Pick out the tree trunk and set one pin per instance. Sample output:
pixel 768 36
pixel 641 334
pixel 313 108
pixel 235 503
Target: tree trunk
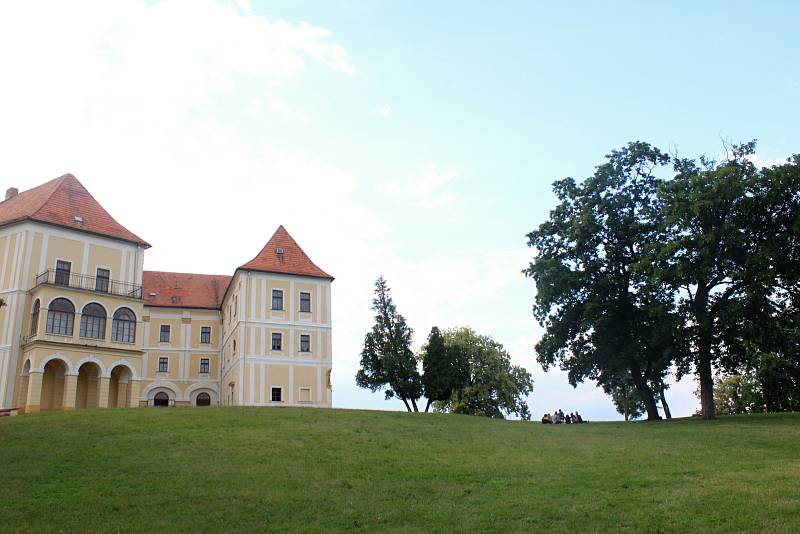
pixel 646 393
pixel 414 403
pixel 626 403
pixel 428 405
pixel 664 404
pixel 703 362
pixel 406 403
pixel 706 384
pixel 704 367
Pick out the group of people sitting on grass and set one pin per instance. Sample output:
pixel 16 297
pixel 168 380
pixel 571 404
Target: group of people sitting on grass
pixel 558 418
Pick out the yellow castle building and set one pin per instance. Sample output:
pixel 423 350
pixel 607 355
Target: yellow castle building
pixel 84 325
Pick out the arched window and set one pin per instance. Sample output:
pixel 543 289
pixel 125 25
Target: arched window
pixel 93 321
pixel 35 317
pixel 123 327
pixel 203 399
pixel 60 317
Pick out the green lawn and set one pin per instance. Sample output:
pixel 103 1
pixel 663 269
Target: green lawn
pixel 234 469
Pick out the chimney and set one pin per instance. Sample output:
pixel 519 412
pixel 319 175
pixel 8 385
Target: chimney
pixel 11 192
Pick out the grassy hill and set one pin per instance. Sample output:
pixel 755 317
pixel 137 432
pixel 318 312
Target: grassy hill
pixel 230 469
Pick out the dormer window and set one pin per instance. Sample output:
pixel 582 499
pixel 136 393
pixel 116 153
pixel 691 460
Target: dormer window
pixel 78 219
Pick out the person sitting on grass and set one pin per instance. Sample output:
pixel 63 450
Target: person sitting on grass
pixel 546 419
pixel 578 418
pixel 568 419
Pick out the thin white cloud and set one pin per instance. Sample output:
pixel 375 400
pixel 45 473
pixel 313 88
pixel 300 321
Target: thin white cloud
pixel 760 161
pixel 280 106
pixel 423 190
pixel 385 110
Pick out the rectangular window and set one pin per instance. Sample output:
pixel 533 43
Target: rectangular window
pixel 101 281
pixel 277 339
pixel 204 365
pixel 305 343
pixel 205 334
pixel 63 269
pixel 163 365
pixel 163 336
pixel 305 302
pixel 277 394
pixel 277 299
pixel 305 394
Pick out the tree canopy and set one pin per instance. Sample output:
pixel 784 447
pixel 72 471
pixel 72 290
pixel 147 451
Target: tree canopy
pixel 637 272
pixel 604 315
pixel 493 387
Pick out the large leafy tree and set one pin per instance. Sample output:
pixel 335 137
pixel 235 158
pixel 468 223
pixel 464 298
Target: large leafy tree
pixel 387 360
pixel 713 256
pixel 444 369
pixel 493 386
pixel 604 314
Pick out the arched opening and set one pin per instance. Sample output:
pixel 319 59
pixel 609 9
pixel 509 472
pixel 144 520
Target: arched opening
pixel 123 326
pixel 119 394
pixel 93 321
pixel 161 399
pixel 88 393
pixel 203 399
pixel 37 305
pixel 60 317
pixel 53 386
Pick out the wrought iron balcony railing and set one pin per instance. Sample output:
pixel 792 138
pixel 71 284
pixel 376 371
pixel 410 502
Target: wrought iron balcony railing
pixel 89 283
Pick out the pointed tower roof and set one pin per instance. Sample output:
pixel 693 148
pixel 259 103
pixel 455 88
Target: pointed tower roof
pixel 283 255
pixel 64 202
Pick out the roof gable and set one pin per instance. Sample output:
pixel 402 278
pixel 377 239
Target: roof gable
pixel 292 260
pixel 184 290
pixel 65 202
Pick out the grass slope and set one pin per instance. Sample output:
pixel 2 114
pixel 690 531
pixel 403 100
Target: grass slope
pixel 231 469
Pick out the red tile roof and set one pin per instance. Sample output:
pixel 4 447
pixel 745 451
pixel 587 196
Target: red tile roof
pixel 184 290
pixel 292 261
pixel 59 202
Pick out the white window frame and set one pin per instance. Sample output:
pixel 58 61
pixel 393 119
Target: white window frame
pixel 300 395
pixel 210 331
pixel 96 267
pixel 169 337
pixel 300 302
pixel 55 271
pixel 270 395
pixel 272 300
pixel 271 334
pixel 300 344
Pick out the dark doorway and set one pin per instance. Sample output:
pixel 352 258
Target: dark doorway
pixel 203 399
pixel 161 399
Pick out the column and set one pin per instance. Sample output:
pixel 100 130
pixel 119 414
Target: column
pixel 122 395
pixel 102 398
pixel 70 392
pixel 133 387
pixel 34 392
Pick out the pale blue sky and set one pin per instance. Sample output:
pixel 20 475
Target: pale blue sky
pixel 415 139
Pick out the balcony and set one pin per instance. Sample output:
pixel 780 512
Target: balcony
pixel 89 283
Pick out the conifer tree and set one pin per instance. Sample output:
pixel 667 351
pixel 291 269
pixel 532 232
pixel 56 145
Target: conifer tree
pixel 444 370
pixel 387 360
